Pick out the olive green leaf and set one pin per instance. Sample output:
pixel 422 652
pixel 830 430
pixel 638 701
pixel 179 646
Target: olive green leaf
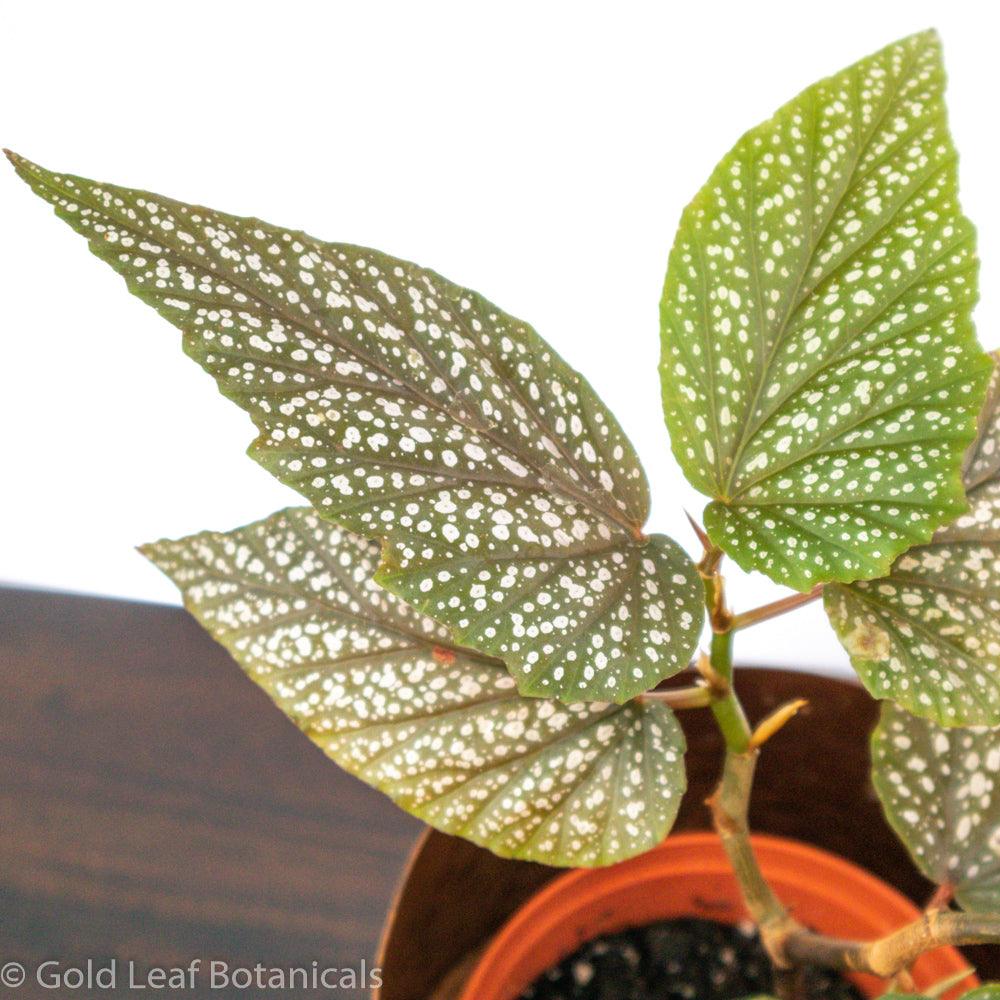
pixel 407 408
pixel 820 372
pixel 988 991
pixel 928 634
pixel 442 730
pixel 944 986
pixel 938 787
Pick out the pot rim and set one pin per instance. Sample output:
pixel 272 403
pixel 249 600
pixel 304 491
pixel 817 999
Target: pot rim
pixel 557 907
pixel 389 921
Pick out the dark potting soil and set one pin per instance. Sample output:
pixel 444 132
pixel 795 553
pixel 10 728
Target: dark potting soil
pixel 687 959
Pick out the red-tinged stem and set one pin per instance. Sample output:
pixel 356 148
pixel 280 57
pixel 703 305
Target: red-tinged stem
pixel 943 895
pixel 766 611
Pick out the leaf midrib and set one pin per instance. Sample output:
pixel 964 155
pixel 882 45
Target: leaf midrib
pixel 587 486
pixel 770 413
pixel 315 603
pixel 84 196
pixel 455 313
pixel 841 353
pixel 525 758
pixel 591 616
pixel 872 413
pixel 750 427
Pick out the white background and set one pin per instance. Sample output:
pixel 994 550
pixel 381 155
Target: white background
pixel 539 153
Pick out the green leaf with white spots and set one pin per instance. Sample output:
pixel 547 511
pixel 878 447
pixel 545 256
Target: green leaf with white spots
pixel 442 730
pixel 928 634
pixel 820 372
pixel 939 789
pixel 405 407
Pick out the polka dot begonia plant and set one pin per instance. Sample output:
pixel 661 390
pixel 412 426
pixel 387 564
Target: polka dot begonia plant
pixel 471 614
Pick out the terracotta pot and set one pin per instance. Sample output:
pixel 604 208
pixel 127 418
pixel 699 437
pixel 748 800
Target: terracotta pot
pixel 689 876
pixel 454 896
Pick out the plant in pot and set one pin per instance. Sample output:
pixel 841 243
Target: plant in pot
pixel 471 616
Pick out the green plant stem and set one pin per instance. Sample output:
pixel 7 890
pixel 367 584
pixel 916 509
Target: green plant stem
pixel 728 712
pixel 696 696
pixel 726 708
pixel 888 956
pixel 730 804
pixel 787 942
pixel 730 801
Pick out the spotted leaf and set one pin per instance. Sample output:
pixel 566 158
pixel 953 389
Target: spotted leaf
pixel 819 368
pixel 407 408
pixel 938 787
pixel 928 634
pixel 442 730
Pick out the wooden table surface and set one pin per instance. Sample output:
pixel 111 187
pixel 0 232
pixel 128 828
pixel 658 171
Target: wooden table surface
pixel 155 807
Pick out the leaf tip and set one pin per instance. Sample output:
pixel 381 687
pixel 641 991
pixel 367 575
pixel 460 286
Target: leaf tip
pixel 153 553
pixel 928 38
pixel 20 163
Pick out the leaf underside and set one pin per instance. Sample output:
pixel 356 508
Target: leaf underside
pixel 440 729
pixel 938 787
pixel 820 372
pixel 407 408
pixel 928 634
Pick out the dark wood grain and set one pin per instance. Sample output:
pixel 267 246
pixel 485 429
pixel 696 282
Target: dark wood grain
pixel 155 806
